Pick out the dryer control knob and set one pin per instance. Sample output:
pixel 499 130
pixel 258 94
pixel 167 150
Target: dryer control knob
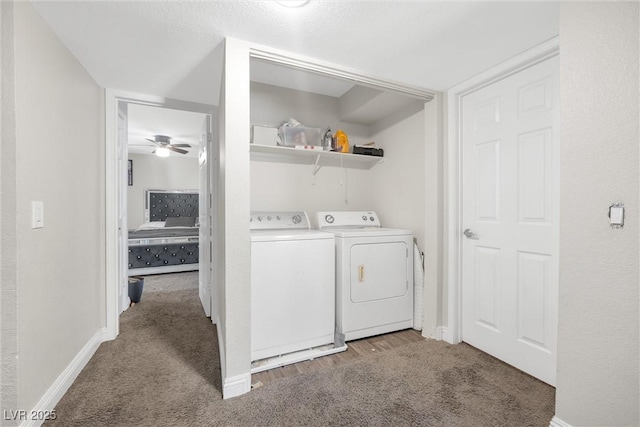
pixel 268 218
pixel 296 219
pixel 329 219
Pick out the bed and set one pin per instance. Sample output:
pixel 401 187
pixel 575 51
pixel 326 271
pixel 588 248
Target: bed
pixel 168 241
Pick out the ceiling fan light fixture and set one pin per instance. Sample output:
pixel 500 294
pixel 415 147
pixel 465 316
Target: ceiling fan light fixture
pixel 162 152
pixel 162 139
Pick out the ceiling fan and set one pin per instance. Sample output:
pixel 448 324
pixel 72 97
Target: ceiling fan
pixel 164 143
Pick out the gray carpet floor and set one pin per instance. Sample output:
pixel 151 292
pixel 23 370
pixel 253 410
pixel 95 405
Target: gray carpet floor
pixel 163 370
pixel 170 282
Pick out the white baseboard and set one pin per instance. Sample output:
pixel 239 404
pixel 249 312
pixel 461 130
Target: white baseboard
pixel 221 353
pixel 60 386
pixel 109 334
pixel 231 386
pixel 445 335
pixel 442 334
pixel 236 386
pixel 557 422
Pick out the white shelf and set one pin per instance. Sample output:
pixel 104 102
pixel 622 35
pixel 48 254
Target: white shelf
pixel 312 157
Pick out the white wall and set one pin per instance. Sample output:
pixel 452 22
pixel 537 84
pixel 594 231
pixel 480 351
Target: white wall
pixel 394 188
pixel 59 160
pixel 598 334
pixel 232 222
pixel 406 191
pixel 434 218
pixel 272 105
pixel 158 173
pixel 8 217
pixel 286 186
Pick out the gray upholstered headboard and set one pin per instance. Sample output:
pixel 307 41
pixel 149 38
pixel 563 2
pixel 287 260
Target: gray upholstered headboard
pixel 160 204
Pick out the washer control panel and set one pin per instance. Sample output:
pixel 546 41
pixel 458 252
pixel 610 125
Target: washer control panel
pixel 276 220
pixel 348 219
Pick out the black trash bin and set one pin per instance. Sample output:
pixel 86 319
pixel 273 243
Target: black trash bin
pixel 136 283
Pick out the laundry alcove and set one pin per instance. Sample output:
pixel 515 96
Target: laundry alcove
pixel 403 188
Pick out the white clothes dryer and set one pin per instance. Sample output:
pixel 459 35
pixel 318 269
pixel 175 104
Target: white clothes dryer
pixel 374 274
pixel 292 290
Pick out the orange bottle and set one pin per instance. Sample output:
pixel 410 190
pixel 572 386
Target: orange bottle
pixel 342 141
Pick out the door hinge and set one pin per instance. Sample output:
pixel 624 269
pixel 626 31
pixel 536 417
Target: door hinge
pixel 209 137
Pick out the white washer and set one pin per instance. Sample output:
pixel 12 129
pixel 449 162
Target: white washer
pixel 292 290
pixel 374 274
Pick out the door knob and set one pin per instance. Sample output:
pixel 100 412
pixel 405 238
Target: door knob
pixel 470 234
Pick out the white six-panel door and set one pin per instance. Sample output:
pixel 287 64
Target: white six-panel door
pixel 510 205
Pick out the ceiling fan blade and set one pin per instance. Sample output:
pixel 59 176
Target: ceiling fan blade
pixel 181 145
pixel 177 150
pixel 151 140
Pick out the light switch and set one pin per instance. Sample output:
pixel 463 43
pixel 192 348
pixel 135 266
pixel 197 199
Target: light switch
pixel 37 214
pixel 616 215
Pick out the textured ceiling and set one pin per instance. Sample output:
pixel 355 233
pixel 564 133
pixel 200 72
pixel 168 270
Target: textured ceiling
pixel 166 48
pixel 172 48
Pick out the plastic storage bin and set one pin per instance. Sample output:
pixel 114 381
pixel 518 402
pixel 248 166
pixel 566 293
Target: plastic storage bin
pixel 292 136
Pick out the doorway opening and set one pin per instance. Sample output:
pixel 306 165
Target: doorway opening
pixel 137 177
pixel 163 198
